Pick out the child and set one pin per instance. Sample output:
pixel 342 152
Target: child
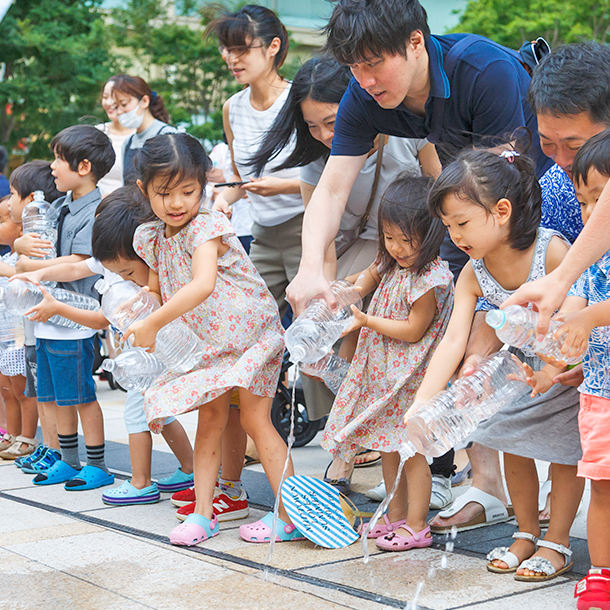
pixel 118 216
pixel 83 154
pixel 202 275
pixel 24 181
pixel 492 206
pixel 404 322
pixel 21 412
pixel 590 322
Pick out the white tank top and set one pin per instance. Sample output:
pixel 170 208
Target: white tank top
pixel 249 127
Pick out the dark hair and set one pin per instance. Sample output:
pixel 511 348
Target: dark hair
pixel 175 156
pixel 593 154
pixel 250 21
pixel 3 159
pixel 117 217
pixel 360 29
pixel 34 176
pixel 321 79
pixel 571 80
pixel 137 87
pixel 85 142
pixel 483 178
pixel 404 204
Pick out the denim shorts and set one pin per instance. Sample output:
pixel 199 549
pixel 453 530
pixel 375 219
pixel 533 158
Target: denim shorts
pixel 64 371
pixel 30 372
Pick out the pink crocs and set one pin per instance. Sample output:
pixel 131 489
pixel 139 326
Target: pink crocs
pixel 260 531
pixel 382 529
pixel 396 542
pixel 195 529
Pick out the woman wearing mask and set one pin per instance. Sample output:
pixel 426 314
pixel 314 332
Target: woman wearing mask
pixel 117 134
pixel 139 108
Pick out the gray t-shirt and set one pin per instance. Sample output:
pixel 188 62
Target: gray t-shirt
pixel 399 155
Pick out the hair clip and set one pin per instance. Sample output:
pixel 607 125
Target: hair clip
pixel 153 95
pixel 509 155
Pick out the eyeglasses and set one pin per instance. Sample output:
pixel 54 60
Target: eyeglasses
pixel 236 52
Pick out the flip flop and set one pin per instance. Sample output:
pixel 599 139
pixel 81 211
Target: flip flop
pixel 90 477
pixel 493 512
pixel 367 463
pixel 60 472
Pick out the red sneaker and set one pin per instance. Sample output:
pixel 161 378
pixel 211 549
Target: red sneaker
pixel 225 507
pixel 184 497
pixel 593 591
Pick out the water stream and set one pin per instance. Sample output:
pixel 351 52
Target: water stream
pixel 276 506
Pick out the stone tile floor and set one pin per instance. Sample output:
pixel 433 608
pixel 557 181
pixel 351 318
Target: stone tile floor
pixel 69 550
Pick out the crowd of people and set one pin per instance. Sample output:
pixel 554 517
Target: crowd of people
pixel 443 175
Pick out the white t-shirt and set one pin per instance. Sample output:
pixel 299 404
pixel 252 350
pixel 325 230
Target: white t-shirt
pixel 114 178
pixel 51 331
pixel 249 127
pixel 399 155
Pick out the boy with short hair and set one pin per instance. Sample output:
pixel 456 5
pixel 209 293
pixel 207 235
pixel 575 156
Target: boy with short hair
pixel 118 216
pixel 588 328
pixel 83 155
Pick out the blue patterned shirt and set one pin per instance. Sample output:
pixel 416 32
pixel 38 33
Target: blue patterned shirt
pixel 594 285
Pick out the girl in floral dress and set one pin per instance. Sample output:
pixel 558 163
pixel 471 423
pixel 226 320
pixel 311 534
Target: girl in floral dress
pixel 201 274
pixel 404 322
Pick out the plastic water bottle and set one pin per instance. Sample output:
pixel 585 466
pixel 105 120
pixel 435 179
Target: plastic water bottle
pixel 331 369
pixel 516 326
pixel 19 297
pixel 453 414
pixel 12 335
pixel 124 303
pixel 134 369
pixel 314 332
pixel 39 216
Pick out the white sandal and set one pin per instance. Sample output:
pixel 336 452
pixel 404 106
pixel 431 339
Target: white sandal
pixel 8 439
pixel 543 567
pixel 504 554
pixel 15 451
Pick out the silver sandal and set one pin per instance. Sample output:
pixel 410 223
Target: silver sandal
pixel 503 554
pixel 543 567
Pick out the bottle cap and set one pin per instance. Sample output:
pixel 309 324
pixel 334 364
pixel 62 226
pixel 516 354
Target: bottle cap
pixel 297 354
pixel 496 318
pixel 39 196
pixel 108 365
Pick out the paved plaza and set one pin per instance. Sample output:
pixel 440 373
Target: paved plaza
pixel 68 550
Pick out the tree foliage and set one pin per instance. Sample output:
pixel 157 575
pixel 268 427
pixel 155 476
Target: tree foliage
pixel 55 56
pixel 511 22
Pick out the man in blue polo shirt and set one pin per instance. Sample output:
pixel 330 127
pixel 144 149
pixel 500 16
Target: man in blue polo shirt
pixel 457 91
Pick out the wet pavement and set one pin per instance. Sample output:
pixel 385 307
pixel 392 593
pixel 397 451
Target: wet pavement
pixel 62 549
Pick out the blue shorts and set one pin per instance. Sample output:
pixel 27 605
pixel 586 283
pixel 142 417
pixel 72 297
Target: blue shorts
pixel 135 419
pixel 65 371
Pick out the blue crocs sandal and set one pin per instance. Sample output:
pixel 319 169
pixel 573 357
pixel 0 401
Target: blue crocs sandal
pixel 60 472
pixel 90 477
pixel 42 464
pixel 127 494
pixel 176 482
pixel 33 457
pixel 195 529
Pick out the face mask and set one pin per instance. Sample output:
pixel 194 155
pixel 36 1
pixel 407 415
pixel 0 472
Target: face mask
pixel 131 119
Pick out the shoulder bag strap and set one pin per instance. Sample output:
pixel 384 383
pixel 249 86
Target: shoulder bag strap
pixel 367 213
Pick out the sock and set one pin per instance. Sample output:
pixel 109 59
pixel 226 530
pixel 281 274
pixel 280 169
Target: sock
pixel 95 457
pixel 231 488
pixel 68 445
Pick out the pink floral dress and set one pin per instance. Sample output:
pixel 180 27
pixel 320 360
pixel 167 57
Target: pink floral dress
pixel 238 323
pixel 386 373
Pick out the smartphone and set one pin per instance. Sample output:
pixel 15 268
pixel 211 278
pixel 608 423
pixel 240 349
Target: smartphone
pixel 230 184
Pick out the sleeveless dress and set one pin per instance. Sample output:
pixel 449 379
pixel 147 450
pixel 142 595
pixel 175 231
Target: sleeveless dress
pixel 385 372
pixel 544 427
pixel 238 323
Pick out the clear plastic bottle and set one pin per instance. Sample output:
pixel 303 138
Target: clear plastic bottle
pixel 19 297
pixel 516 326
pixel 124 303
pixel 134 369
pixel 453 414
pixel 312 335
pixel 331 369
pixel 39 216
pixel 12 334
